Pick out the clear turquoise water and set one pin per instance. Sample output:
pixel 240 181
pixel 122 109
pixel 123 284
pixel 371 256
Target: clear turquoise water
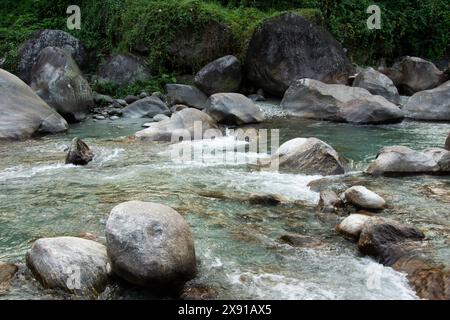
pixel 236 242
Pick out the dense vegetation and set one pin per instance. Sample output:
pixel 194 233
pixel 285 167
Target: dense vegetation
pixel 413 27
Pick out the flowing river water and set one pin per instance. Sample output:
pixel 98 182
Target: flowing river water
pixel 236 243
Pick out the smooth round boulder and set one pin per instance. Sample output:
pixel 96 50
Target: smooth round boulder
pixel 146 108
pixel 288 47
pixel 377 84
pixel 75 265
pixel 188 123
pixel 400 160
pixel 150 245
pixel 351 227
pixel 362 197
pixel 308 156
pixel 221 75
pixel 312 99
pixel 124 70
pixel 56 78
pixel 233 109
pixel 186 95
pixel 23 112
pixel 430 105
pixel 79 153
pixel 329 201
pixel 413 74
pixel 40 40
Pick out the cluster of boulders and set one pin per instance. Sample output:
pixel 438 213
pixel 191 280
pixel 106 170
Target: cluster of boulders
pixel 147 244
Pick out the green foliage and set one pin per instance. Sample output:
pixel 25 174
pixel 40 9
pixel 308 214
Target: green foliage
pixel 409 27
pixel 153 85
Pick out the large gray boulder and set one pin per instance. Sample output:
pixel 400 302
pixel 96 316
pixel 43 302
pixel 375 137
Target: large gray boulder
pixel 182 123
pixel 186 95
pixel 147 107
pixel 312 99
pixel 233 109
pixel 71 264
pixel 23 112
pixel 150 245
pixel 56 78
pixel 191 50
pixel 289 47
pixel 413 74
pixel 364 198
pixel 400 160
pixel 308 156
pixel 123 69
pixel 40 40
pixel 377 84
pixel 221 75
pixel 433 105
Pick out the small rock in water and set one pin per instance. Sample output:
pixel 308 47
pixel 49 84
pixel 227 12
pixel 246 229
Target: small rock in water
pixel 148 124
pixel 113 118
pixel 352 226
pixel 99 117
pixel 122 102
pixel 329 201
pixel 160 117
pixel 79 153
pixel 131 99
pixel 266 199
pixel 362 197
pixel 298 240
pixel 115 112
pixel 7 273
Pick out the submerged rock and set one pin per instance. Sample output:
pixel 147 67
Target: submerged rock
pixel 56 78
pixel 312 99
pixel 199 292
pixel 7 273
pixel 40 40
pixel 363 198
pixel 23 112
pixel 400 160
pixel 74 265
pixel 377 84
pixel 308 156
pixel 266 199
pixel 233 109
pixel 289 47
pixel 123 69
pixel 79 153
pixel 146 108
pixel 181 124
pixel 221 75
pixel 432 105
pixel 412 74
pixel 150 245
pixel 298 240
pixel 186 95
